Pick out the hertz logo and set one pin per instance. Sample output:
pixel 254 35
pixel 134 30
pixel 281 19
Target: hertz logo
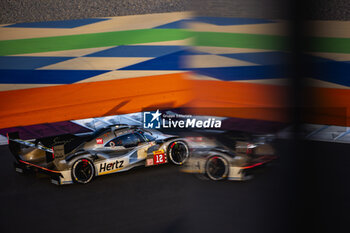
pixel 111 166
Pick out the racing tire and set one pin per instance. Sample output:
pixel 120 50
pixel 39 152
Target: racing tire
pixel 83 170
pixel 178 152
pixel 216 168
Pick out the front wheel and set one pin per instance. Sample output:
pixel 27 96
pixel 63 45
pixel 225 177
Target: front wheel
pixel 83 171
pixel 216 168
pixel 178 152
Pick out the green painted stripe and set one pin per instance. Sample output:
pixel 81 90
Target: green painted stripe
pixel 219 39
pixel 330 45
pixel 93 40
pixel 241 40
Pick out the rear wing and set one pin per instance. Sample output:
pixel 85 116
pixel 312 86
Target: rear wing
pixel 15 145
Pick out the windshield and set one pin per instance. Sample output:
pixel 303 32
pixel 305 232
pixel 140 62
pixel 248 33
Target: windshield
pixel 148 136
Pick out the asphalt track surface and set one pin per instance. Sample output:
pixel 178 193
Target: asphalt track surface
pixel 305 190
pixel 157 199
pixel 12 11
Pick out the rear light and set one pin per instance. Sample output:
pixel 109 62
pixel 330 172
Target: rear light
pixel 53 153
pixel 250 148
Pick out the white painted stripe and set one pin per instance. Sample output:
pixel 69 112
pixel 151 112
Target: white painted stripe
pixel 280 28
pixel 319 83
pixel 122 74
pixel 204 61
pixel 279 82
pixel 226 50
pixel 327 28
pixel 333 56
pixel 194 76
pixel 274 81
pixel 11 87
pixel 95 63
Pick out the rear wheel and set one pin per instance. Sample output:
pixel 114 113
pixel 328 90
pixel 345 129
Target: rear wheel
pixel 178 152
pixel 216 168
pixel 83 171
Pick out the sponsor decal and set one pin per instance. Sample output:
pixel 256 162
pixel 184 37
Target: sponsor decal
pixel 58 141
pixel 192 123
pixel 175 120
pixel 152 119
pixel 58 152
pixel 111 166
pixel 149 162
pixel 159 157
pixel 99 140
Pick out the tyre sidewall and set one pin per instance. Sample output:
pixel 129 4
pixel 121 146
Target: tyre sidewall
pixel 170 156
pixel 226 168
pixel 74 178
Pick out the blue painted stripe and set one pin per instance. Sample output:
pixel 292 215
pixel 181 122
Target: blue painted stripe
pixel 46 76
pixel 58 24
pixel 314 59
pixel 261 58
pixel 175 25
pixel 28 63
pixel 137 51
pixel 331 71
pixel 171 61
pixel 245 72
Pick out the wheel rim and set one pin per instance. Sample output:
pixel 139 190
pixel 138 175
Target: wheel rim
pixel 178 152
pixel 83 171
pixel 216 168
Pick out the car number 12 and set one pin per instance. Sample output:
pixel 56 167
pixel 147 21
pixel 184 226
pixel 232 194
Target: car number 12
pixel 159 157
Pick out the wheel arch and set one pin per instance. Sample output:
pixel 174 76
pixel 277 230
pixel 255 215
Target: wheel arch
pixel 84 154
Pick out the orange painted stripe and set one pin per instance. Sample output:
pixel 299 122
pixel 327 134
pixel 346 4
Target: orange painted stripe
pixel 217 98
pixel 240 100
pixel 328 106
pixel 96 99
pixel 85 100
